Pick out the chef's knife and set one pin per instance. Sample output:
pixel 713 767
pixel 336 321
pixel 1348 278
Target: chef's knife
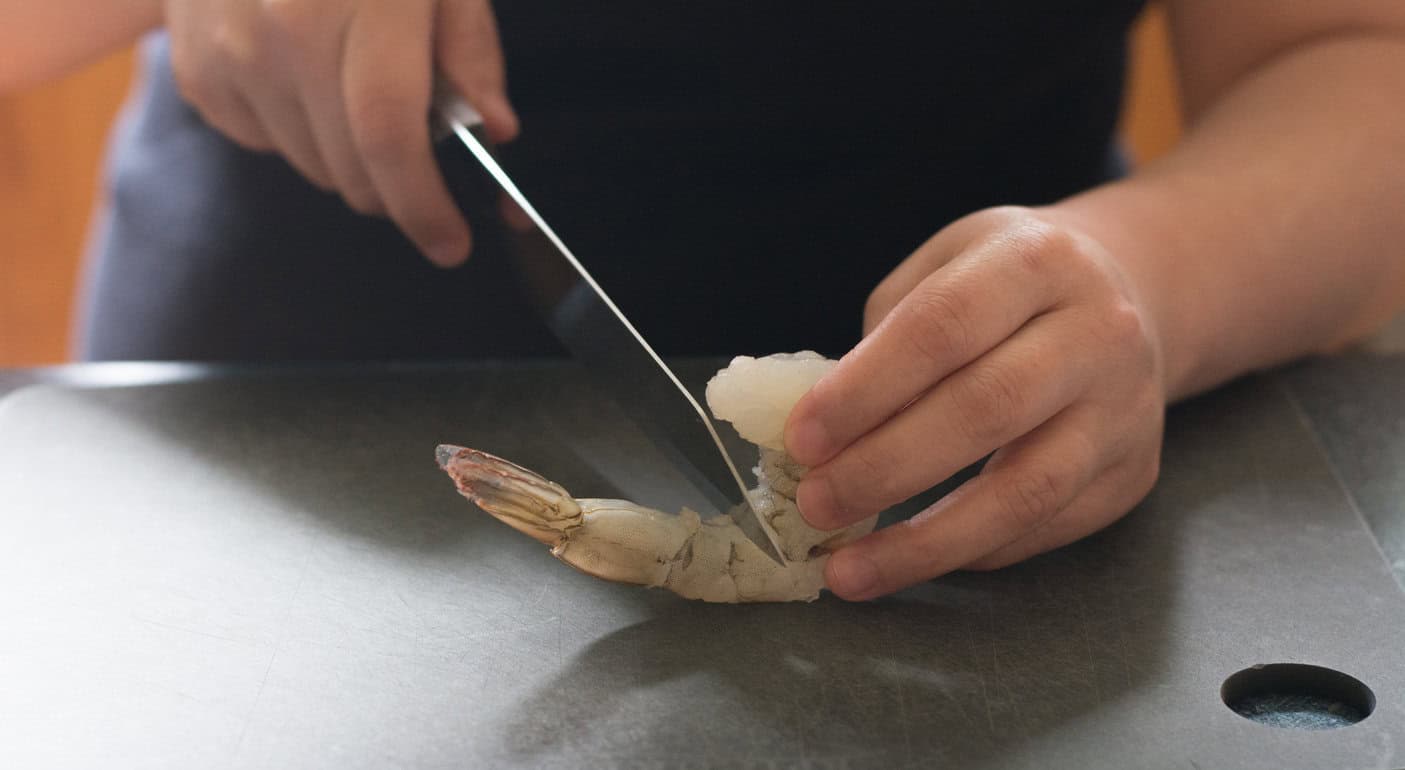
pixel 589 324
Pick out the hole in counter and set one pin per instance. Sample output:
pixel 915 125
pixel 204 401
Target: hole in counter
pixel 1297 696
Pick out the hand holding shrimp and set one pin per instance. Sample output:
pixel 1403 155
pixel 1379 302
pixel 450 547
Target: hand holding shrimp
pixel 1008 332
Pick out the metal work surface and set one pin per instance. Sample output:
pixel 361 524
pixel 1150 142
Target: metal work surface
pixel 269 571
pixel 1357 406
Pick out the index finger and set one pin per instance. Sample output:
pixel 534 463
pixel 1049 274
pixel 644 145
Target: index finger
pixel 954 315
pixel 387 77
pixel 470 56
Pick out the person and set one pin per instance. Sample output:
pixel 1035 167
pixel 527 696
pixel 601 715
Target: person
pixel 743 175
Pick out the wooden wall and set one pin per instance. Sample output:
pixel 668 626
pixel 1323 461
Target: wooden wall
pixel 51 143
pixel 1151 120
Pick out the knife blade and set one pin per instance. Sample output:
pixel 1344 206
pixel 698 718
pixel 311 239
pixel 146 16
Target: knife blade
pixel 599 336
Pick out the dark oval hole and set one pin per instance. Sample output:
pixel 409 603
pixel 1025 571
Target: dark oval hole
pixel 1298 696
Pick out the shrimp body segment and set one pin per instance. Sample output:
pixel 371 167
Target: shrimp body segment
pixel 708 559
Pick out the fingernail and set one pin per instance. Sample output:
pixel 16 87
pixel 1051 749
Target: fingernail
pixel 506 124
pixel 448 253
pixel 852 576
pixel 815 499
pixel 808 441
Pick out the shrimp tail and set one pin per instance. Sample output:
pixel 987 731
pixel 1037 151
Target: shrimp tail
pixel 516 496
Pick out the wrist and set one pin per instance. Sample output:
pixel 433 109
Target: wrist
pixel 1129 225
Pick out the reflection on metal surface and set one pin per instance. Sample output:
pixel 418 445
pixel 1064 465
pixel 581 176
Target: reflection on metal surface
pixel 133 373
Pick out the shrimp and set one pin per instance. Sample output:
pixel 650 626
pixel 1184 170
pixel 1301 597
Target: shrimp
pixel 709 559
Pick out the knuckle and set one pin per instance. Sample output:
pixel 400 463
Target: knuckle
pixel 232 48
pixel 942 327
pixel 1041 247
pixel 1122 326
pixel 1122 323
pixel 1002 216
pixel 1030 498
pixel 988 402
pixel 293 20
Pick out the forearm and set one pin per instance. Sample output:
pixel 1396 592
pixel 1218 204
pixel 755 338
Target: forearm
pixel 1277 229
pixel 41 40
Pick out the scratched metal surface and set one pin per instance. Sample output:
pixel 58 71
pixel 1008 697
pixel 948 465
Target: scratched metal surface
pixel 1356 404
pixel 270 572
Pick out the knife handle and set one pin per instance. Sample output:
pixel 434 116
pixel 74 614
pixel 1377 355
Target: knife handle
pixel 449 107
pixel 473 192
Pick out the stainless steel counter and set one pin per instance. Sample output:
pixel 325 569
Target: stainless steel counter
pixel 238 568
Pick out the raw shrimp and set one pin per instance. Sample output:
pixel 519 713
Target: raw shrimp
pixel 708 559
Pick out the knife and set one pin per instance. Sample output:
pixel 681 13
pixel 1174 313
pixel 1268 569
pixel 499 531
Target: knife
pixel 599 336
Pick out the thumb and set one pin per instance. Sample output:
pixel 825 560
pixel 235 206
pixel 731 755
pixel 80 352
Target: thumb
pixel 470 56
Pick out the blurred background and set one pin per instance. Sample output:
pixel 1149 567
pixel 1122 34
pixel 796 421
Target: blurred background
pixel 53 140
